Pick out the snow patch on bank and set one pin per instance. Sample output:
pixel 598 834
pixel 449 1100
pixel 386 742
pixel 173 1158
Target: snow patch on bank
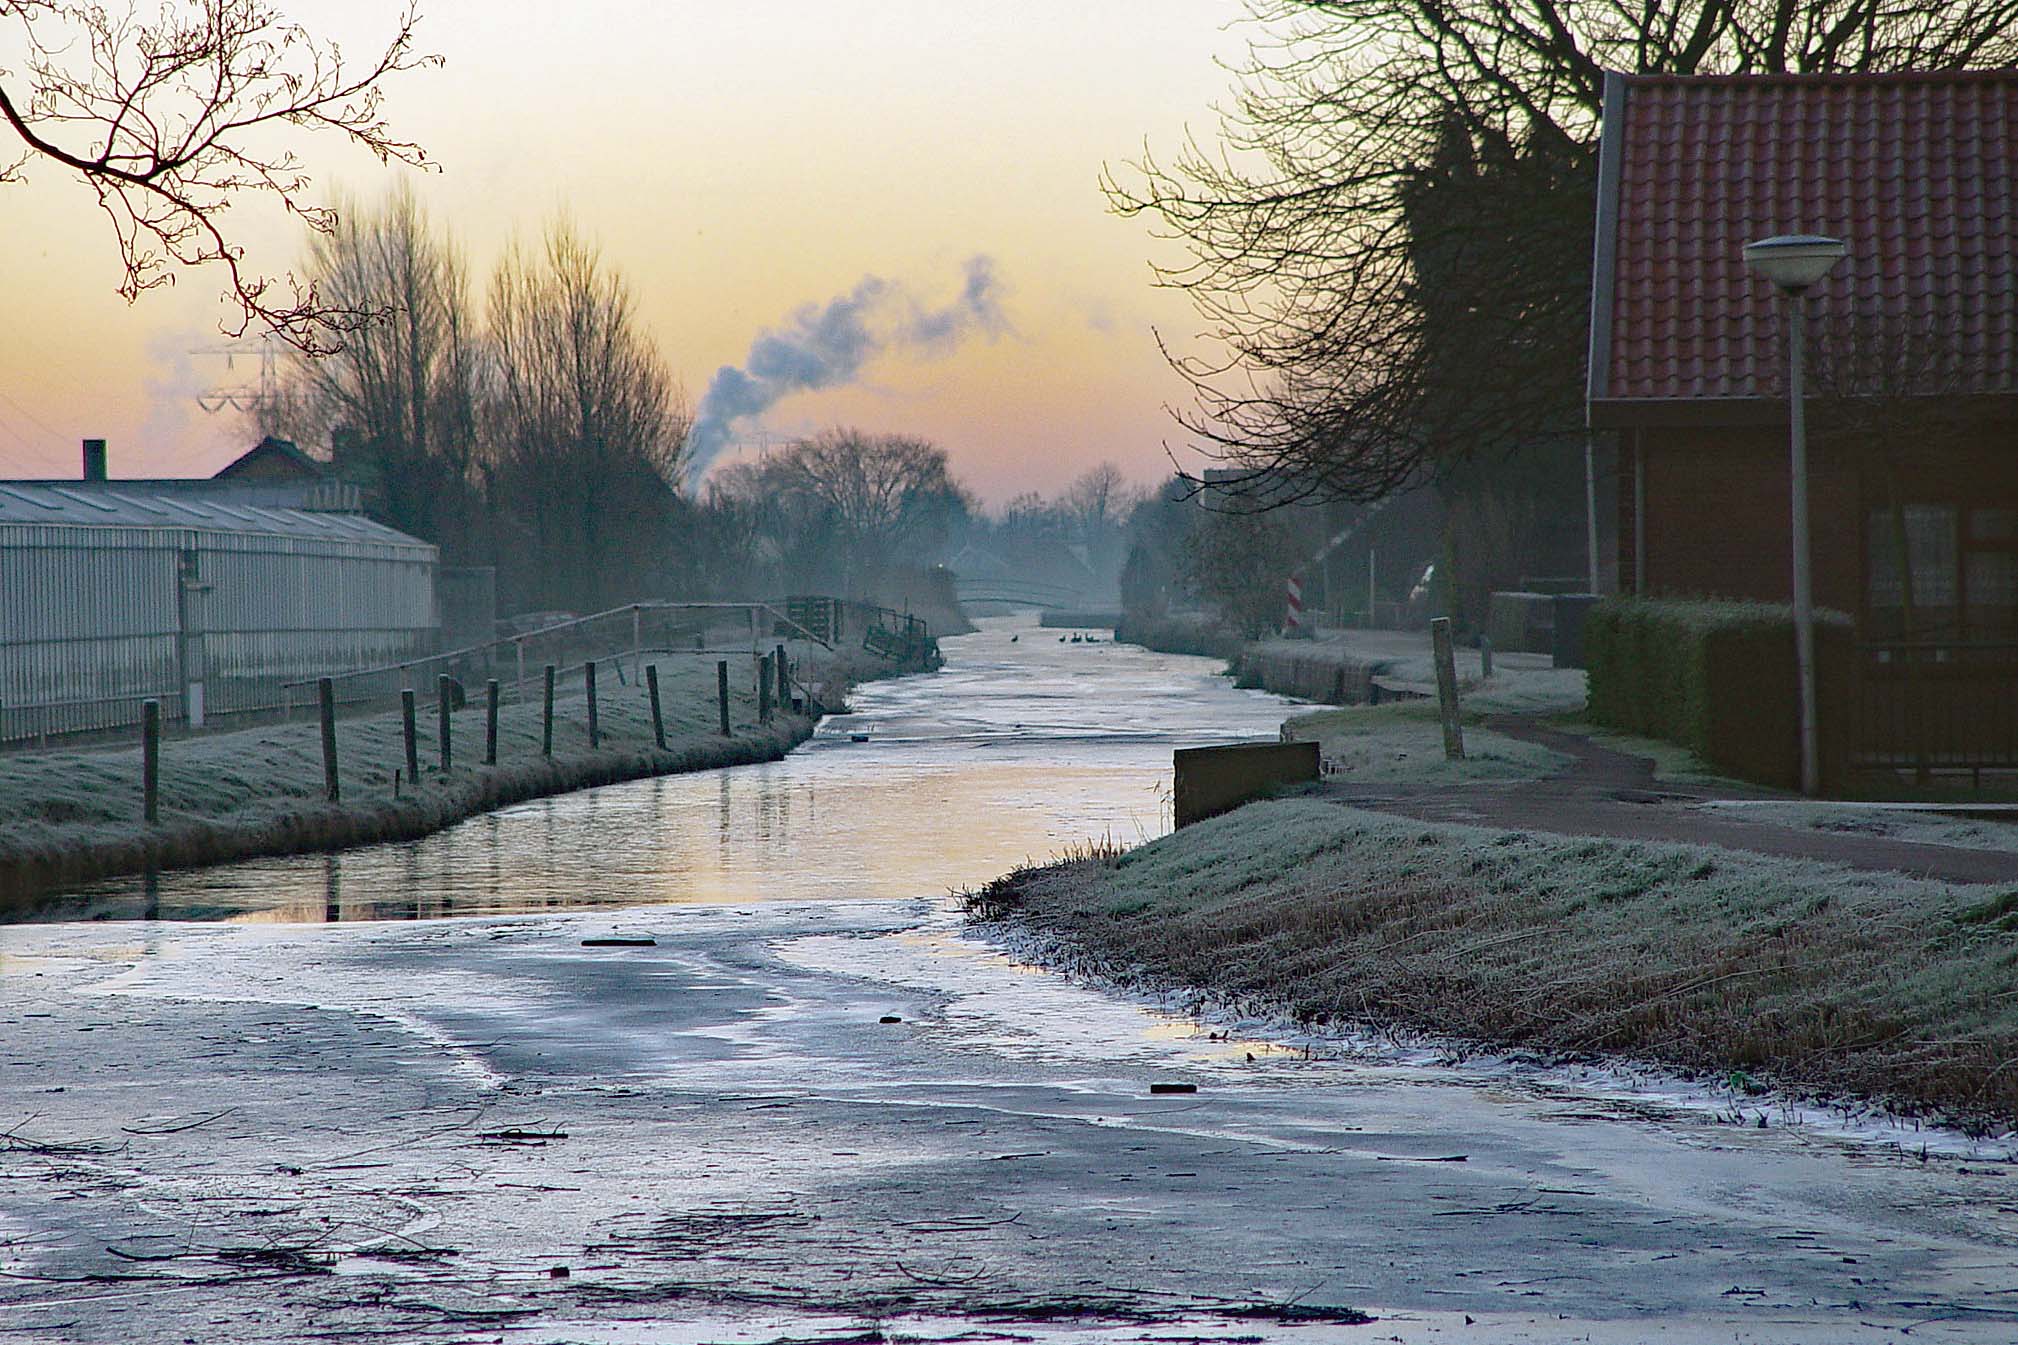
pixel 278 967
pixel 1024 996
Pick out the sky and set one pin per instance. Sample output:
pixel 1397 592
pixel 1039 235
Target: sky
pixel 738 163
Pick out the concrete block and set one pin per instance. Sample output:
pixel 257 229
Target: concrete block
pixel 1521 622
pixel 1212 780
pixel 1570 611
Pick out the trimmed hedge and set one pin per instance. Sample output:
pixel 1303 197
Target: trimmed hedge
pixel 1719 679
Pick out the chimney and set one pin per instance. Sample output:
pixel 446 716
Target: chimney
pixel 94 459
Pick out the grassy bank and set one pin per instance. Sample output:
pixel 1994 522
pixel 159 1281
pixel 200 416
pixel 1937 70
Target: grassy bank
pixel 70 816
pixel 1401 742
pixel 1817 977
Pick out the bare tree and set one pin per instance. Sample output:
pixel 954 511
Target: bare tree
pixel 1390 249
pixel 402 393
pixel 790 542
pixel 847 507
pixel 1237 563
pixel 174 119
pixel 1098 497
pixel 586 426
pixel 1098 503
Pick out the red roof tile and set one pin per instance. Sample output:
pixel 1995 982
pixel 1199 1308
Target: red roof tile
pixel 1918 173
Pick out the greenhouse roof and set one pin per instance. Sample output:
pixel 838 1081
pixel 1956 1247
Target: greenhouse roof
pixel 111 505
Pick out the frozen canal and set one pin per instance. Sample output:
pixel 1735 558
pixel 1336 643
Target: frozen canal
pixel 1021 746
pixel 813 1108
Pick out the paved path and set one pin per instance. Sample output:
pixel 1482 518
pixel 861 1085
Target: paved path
pixel 1610 793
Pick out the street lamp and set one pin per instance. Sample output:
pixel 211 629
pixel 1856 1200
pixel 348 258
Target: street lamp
pixel 1793 262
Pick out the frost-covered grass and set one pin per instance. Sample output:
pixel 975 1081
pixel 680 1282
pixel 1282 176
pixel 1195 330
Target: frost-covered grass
pixel 1402 742
pixel 1899 824
pixel 1513 688
pixel 1528 691
pixel 1813 975
pixel 72 814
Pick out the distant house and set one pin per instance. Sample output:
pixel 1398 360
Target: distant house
pixel 1914 346
pixel 272 459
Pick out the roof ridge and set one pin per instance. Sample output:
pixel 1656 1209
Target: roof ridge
pixel 1974 75
pixel 1913 169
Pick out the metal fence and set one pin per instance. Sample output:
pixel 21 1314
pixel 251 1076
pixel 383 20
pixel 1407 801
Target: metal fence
pixel 625 636
pixel 841 621
pixel 1937 706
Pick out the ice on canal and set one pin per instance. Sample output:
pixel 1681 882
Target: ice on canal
pixel 817 1107
pixel 1021 747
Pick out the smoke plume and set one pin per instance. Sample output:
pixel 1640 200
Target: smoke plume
pixel 826 345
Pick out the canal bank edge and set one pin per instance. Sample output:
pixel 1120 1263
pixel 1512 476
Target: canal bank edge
pixel 1813 978
pixel 30 871
pixel 1320 673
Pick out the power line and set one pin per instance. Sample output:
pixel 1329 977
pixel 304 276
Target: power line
pixel 41 454
pixel 250 398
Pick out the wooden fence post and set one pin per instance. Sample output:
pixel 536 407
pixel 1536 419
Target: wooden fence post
pixel 150 760
pixel 412 743
pixel 763 688
pixel 441 700
pixel 1485 657
pixel 325 704
pixel 547 716
pixel 595 729
pixel 782 668
pixel 1446 687
pixel 490 695
pixel 722 693
pixel 658 719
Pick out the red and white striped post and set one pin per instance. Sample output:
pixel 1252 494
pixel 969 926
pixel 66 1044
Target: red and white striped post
pixel 1292 625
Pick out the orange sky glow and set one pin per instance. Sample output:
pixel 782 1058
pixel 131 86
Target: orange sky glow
pixel 736 162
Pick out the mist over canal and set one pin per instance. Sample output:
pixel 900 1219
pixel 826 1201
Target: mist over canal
pixel 1024 744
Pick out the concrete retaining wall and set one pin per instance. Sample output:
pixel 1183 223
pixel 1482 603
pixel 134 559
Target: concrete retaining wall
pixel 1178 635
pixel 1059 618
pixel 1328 676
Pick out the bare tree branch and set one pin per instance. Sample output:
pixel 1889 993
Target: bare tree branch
pixel 172 120
pixel 1388 249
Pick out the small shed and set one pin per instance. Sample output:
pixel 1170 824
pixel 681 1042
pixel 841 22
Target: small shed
pixel 112 593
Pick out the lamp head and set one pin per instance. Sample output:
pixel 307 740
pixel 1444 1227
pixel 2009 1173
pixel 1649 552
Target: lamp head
pixel 1794 261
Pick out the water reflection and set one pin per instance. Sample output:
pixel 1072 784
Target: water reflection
pixel 1016 750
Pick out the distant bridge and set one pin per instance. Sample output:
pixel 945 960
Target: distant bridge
pixel 1023 592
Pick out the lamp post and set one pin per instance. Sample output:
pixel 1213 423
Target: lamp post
pixel 1793 262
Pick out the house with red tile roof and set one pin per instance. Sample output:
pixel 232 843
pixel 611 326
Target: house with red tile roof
pixel 1913 356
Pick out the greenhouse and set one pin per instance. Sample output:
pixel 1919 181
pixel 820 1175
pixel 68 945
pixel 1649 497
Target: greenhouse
pixel 111 596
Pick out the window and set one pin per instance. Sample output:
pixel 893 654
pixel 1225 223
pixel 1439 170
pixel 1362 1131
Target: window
pixel 1930 552
pixel 1993 525
pixel 1990 573
pixel 1964 563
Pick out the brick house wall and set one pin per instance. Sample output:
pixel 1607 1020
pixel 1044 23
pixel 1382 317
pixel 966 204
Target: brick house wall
pixel 1717 507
